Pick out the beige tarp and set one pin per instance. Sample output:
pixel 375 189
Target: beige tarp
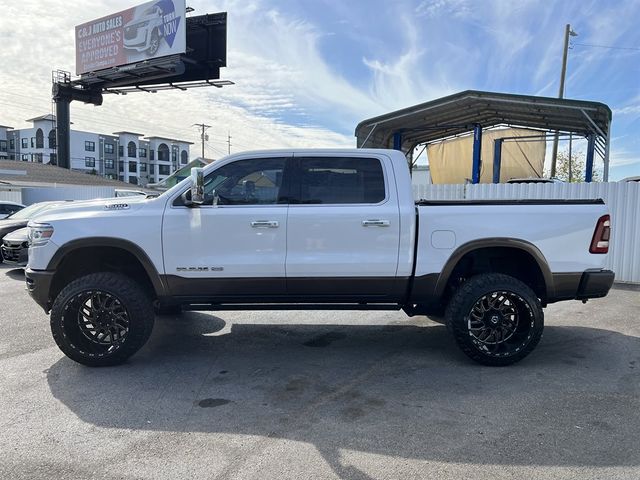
pixel 450 161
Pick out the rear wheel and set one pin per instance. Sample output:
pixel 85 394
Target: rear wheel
pixel 495 319
pixel 101 319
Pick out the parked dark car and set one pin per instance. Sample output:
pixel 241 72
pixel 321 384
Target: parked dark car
pixel 7 208
pixel 15 248
pixel 20 218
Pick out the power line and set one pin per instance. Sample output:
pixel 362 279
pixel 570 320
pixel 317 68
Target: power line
pixel 606 46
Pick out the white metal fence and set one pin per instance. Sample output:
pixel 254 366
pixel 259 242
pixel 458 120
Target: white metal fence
pixel 43 194
pixel 623 200
pixel 11 195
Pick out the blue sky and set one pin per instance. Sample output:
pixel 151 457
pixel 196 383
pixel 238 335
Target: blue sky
pixel 307 72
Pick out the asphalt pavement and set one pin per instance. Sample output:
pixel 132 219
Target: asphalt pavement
pixel 322 395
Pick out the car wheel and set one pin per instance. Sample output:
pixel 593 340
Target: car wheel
pixel 154 43
pixel 101 319
pixel 495 319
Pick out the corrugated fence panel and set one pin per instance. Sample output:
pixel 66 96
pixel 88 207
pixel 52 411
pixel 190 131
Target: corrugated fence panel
pixel 622 199
pixel 11 196
pixel 42 194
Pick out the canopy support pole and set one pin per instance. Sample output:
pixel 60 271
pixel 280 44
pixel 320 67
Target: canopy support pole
pixel 477 152
pixel 497 159
pixel 397 140
pixel 588 174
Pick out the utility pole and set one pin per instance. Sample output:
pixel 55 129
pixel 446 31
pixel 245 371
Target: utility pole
pixel 228 143
pixel 567 33
pixel 203 128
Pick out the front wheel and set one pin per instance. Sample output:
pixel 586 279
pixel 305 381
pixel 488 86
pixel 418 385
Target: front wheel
pixel 101 319
pixel 495 319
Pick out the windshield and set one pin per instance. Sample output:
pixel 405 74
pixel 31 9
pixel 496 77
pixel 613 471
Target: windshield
pixel 28 212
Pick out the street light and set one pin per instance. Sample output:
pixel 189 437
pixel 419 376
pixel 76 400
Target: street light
pixel 567 33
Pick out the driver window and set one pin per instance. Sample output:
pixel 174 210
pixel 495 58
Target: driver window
pixel 246 182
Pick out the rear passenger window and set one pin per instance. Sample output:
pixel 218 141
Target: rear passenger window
pixel 335 180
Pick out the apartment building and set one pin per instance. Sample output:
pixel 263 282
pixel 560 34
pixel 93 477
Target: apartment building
pixel 127 156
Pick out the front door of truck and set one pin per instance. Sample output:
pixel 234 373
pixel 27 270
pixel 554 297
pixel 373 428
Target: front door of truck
pixel 234 245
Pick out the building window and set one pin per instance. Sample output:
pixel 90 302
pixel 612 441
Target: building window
pixel 133 180
pixel 39 138
pixel 110 176
pixel 52 138
pixel 121 151
pixel 121 166
pixel 25 143
pixel 151 169
pixel 108 163
pixel 184 157
pixel 174 156
pixel 3 145
pixel 108 147
pixel 12 144
pixel 163 152
pixel 151 154
pixel 131 150
pixel 133 167
pixel 90 162
pixel 143 167
pixel 89 146
pixel 335 180
pixel 33 142
pixel 12 156
pixel 142 152
pixel 25 158
pixel 53 159
pixel 163 170
pixel 37 158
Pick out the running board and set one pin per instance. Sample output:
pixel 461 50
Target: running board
pixel 289 306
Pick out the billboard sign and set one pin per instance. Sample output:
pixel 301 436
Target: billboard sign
pixel 150 30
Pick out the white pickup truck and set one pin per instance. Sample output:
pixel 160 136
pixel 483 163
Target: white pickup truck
pixel 313 229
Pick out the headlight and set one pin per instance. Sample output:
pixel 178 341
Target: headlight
pixel 39 233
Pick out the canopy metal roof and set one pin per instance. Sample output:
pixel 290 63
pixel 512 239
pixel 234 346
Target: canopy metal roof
pixel 461 112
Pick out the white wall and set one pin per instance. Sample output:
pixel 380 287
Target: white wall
pixel 43 194
pixel 622 198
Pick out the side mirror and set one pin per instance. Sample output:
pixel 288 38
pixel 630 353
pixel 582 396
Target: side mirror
pixel 197 186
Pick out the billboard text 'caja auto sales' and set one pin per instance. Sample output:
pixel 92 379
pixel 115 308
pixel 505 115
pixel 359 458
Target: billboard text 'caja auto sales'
pixel 150 30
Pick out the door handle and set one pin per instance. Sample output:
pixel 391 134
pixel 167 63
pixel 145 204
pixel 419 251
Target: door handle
pixel 265 224
pixel 375 223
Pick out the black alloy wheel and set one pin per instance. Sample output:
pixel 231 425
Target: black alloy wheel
pixel 102 319
pixel 495 319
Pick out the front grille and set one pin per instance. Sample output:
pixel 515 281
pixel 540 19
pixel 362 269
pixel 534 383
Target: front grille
pixel 130 33
pixel 13 252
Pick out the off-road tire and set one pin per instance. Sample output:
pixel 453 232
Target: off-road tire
pixel 65 323
pixel 460 306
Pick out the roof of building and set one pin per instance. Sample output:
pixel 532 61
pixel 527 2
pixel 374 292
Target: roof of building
pixel 6 126
pixel 30 173
pixel 48 116
pixel 174 140
pixel 124 132
pixel 457 114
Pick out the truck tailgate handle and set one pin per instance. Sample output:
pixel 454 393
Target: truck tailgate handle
pixel 265 224
pixel 375 223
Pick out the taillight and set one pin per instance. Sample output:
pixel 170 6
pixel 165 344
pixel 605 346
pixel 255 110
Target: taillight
pixel 600 240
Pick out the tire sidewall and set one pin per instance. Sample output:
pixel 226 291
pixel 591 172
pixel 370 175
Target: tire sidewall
pixel 133 299
pixel 470 292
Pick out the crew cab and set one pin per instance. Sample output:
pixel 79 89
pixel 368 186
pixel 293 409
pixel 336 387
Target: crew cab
pixel 313 229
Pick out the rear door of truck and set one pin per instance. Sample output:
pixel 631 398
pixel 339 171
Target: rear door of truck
pixel 343 228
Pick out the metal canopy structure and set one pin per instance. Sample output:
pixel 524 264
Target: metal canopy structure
pixel 472 110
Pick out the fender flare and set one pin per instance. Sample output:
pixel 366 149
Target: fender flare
pixel 497 242
pixel 97 242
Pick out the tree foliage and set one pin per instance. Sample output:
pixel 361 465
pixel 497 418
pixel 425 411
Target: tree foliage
pixel 573 171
